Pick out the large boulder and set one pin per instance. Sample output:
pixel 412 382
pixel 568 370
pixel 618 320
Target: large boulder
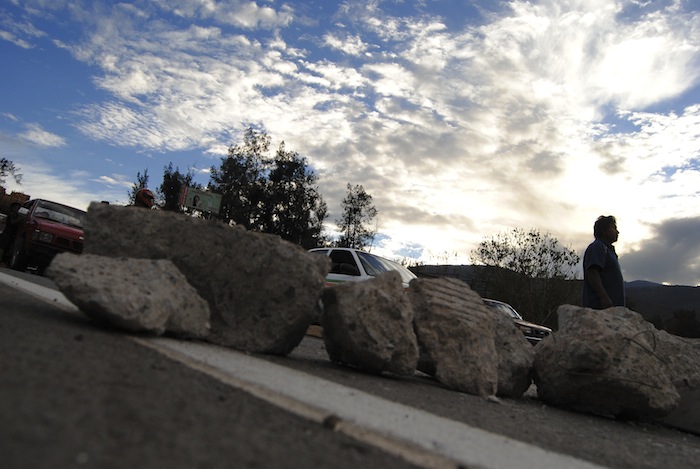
pixel 369 325
pixel 604 362
pixel 262 291
pixel 141 295
pixel 456 334
pixel 682 359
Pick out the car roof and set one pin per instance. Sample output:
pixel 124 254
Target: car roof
pixel 54 202
pixel 490 300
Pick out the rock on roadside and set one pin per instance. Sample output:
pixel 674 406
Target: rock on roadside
pixel 682 359
pixel 369 325
pixel 262 291
pixel 516 357
pixel 604 362
pixel 456 335
pixel 134 294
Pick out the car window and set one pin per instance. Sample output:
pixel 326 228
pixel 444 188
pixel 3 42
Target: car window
pixel 375 265
pixel 372 264
pixel 505 309
pixel 406 275
pixel 339 257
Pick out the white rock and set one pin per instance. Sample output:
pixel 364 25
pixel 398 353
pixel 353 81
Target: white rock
pixel 133 294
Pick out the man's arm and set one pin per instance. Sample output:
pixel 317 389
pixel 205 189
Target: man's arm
pixel 597 284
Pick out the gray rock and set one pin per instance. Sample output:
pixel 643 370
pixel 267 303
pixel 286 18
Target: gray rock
pixel 515 358
pixel 456 334
pixel 262 291
pixel 604 362
pixel 369 325
pixel 133 294
pixel 682 359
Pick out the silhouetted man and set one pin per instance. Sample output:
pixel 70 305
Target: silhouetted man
pixel 603 286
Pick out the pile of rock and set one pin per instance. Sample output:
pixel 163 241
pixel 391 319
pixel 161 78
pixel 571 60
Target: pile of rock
pixel 162 272
pixel 262 292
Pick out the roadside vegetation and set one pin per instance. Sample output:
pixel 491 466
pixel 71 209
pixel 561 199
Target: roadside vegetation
pixel 8 168
pixel 276 194
pixel 530 270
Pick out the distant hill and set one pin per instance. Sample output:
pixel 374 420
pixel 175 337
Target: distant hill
pixel 675 309
pixel 663 298
pixel 641 284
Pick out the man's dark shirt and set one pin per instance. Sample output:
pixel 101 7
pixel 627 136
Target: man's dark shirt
pixel 602 256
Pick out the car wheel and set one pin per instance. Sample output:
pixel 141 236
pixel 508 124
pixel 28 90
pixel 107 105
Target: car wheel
pixel 18 259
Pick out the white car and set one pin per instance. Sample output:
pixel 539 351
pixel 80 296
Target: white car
pixel 353 265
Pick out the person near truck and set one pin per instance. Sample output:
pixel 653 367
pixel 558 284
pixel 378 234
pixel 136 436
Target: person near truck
pixel 603 285
pixel 8 234
pixel 144 198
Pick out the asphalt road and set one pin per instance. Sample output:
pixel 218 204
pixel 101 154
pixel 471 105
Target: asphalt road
pixel 75 394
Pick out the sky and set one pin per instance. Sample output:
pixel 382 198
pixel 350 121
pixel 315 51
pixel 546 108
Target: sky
pixel 462 119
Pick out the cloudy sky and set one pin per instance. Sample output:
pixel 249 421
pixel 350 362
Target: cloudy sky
pixel 462 119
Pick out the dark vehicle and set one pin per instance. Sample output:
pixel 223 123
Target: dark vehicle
pixel 534 333
pixel 46 228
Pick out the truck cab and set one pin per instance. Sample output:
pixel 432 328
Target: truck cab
pixel 46 228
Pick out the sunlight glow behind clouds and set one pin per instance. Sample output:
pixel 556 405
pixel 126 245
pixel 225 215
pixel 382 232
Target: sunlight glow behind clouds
pixel 500 123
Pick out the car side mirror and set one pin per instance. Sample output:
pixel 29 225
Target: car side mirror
pixel 23 211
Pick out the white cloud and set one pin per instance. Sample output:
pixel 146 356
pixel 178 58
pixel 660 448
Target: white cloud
pixel 240 13
pixel 42 138
pixel 115 181
pixel 458 133
pixel 348 44
pixel 10 37
pixel 40 182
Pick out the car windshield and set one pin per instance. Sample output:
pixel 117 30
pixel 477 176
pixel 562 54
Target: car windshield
pixel 60 213
pixel 375 265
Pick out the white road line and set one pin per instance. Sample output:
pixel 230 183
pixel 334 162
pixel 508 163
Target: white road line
pixel 419 429
pixel 47 294
pixel 415 435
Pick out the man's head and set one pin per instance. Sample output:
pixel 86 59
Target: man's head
pixel 605 228
pixel 15 206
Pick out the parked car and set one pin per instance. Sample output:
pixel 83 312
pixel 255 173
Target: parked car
pixel 534 333
pixel 354 265
pixel 46 228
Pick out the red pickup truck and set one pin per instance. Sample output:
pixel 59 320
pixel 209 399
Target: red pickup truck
pixel 45 229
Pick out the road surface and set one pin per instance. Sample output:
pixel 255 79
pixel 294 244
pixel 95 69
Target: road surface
pixel 75 394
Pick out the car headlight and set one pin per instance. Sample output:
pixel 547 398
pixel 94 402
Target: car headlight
pixel 526 329
pixel 43 236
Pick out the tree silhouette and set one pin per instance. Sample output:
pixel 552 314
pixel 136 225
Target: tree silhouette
pixel 8 168
pixel 275 195
pixel 169 190
pixel 529 270
pixel 241 181
pixel 358 213
pixel 294 209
